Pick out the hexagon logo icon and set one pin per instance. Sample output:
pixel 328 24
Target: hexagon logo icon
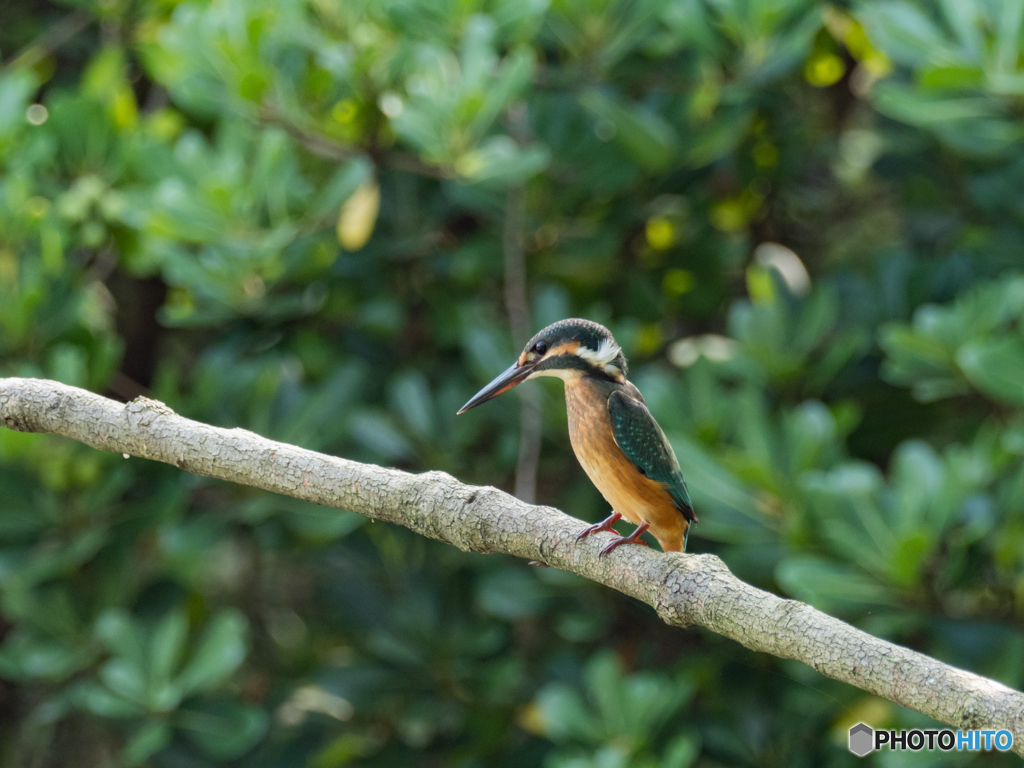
pixel 862 739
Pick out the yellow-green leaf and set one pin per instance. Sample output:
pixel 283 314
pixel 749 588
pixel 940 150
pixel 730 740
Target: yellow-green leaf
pixel 358 216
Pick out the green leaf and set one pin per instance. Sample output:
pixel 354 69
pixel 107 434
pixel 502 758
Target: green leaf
pixel 921 361
pixel 908 557
pixel 604 679
pixel 16 89
pixel 787 49
pixel 499 162
pixel 950 78
pixel 985 137
pixel 651 700
pixel 252 85
pixel 103 702
pixel 223 729
pixel 150 739
pixel 846 502
pixel 520 18
pixel 125 679
pixel 718 138
pixel 1008 35
pixel 829 586
pixel 27 656
pixel 811 431
pixel 713 485
pixel 995 367
pixel 757 438
pixel 318 524
pixel 376 431
pixel 965 18
pixel 904 32
pixel 629 25
pixel 911 106
pixel 918 479
pixel 105 73
pixel 516 73
pixel 563 715
pixel 410 396
pixel 644 135
pixel 322 416
pixel 511 594
pixel 221 650
pixel 346 180
pixel 166 646
pixel 682 751
pixel 476 52
pixel 120 634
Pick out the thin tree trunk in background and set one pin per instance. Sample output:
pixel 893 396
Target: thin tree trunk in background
pixel 518 307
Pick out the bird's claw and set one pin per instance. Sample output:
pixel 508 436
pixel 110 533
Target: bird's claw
pixel 593 529
pixel 633 538
pixel 622 540
pixel 604 525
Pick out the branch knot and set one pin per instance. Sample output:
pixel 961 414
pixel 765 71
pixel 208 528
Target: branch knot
pixel 143 411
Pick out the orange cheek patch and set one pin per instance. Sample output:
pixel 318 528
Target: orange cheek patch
pixel 568 348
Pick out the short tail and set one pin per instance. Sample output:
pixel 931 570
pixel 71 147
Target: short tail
pixel 687 512
pixel 691 519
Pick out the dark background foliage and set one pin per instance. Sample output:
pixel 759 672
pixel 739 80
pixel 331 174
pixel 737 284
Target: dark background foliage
pixel 308 218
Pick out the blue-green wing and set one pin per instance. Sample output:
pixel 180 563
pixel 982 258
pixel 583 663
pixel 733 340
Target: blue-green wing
pixel 642 441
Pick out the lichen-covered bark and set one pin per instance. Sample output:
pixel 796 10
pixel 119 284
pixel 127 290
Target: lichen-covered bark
pixel 684 589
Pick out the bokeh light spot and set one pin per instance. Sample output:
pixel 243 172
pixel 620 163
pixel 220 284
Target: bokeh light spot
pixel 678 281
pixel 37 114
pixel 661 233
pixel 824 69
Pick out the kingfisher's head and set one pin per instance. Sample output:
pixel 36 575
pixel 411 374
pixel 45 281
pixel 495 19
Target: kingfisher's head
pixel 566 349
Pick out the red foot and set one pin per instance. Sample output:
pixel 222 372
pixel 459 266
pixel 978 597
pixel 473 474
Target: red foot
pixel 604 525
pixel 633 538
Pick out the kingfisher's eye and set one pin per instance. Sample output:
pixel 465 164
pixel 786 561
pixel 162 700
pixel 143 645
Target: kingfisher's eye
pixel 540 347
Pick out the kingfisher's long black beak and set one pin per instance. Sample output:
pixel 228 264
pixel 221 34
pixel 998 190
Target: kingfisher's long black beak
pixel 516 374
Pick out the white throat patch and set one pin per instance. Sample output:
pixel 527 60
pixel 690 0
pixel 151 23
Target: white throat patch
pixel 565 374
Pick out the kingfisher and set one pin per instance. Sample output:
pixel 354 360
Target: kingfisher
pixel 616 439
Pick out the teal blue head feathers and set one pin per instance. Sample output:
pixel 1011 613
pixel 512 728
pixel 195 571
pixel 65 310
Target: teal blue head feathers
pixel 566 349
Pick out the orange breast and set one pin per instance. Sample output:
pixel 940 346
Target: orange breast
pixel 631 494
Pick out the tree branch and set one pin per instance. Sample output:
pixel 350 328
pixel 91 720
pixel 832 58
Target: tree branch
pixel 54 37
pixel 326 147
pixel 685 590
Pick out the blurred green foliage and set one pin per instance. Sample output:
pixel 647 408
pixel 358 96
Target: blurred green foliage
pixel 803 221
